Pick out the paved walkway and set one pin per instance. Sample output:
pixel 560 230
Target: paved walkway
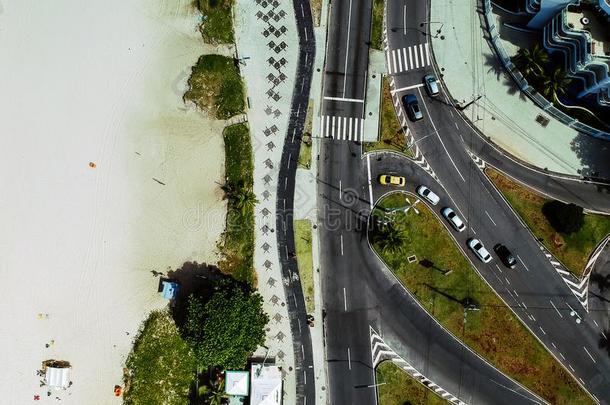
pixel 476 79
pixel 267 45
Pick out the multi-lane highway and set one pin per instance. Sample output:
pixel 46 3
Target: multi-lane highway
pixel 358 291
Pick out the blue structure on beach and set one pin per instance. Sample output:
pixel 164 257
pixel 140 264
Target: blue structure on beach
pixel 170 289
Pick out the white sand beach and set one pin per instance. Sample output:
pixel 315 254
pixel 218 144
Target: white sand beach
pixel 97 82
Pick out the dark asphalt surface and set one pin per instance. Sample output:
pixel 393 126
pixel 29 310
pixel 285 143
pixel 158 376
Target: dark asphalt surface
pixel 304 372
pixel 539 296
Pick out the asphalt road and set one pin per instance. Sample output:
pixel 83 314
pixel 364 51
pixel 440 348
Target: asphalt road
pixel 535 291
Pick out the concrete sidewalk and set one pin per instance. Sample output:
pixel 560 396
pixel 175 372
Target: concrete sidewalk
pixel 267 45
pixel 475 79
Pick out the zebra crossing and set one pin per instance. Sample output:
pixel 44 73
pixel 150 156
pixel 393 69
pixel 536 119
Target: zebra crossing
pixel 409 58
pixel 342 128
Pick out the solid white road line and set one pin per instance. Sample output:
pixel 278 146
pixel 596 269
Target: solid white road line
pixel 523 263
pixel 439 137
pixel 349 359
pixel 348 100
pixel 349 25
pixel 589 354
pixel 558 313
pixel 404 19
pixel 407 88
pixel 344 299
pixel 489 216
pixel 368 165
pixel 340 192
pixel 342 247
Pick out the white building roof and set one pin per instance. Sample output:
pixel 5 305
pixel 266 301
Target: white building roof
pixel 236 383
pixel 266 385
pixel 57 377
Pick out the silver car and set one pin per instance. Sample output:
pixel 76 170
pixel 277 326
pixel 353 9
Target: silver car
pixel 431 85
pixel 455 221
pixel 477 247
pixel 428 195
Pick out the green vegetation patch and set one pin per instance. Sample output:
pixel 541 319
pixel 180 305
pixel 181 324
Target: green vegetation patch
pixel 398 388
pixel 572 249
pixel 217 21
pixel 377 26
pixel 493 331
pixel 160 367
pixel 391 134
pixel 216 87
pixel 305 150
pixel 225 330
pixel 302 241
pixel 237 247
pixel 316 11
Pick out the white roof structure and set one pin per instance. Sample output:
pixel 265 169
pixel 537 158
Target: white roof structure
pixel 266 385
pixel 57 377
pixel 237 383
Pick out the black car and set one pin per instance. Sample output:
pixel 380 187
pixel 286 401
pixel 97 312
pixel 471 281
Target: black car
pixel 409 101
pixel 505 256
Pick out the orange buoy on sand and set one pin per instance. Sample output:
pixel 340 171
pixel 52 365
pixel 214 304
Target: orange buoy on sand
pixel 92 165
pixel 117 391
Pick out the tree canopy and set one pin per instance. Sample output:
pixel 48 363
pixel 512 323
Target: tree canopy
pixel 225 330
pixel 161 364
pixel 565 218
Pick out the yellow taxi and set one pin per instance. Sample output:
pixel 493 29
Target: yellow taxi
pixel 391 180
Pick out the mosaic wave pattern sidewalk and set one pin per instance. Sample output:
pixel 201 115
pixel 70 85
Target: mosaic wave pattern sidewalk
pixel 267 47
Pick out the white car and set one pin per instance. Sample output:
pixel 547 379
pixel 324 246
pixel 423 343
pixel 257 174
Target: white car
pixel 453 219
pixel 428 195
pixel 479 250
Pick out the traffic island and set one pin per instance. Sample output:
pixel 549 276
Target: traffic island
pixel 573 249
pixel 461 301
pixel 396 387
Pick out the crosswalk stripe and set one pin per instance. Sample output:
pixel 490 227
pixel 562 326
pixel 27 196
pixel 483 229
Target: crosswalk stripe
pixel 411 57
pixel 342 128
pixel 399 62
pixel 421 53
pixel 404 55
pixel 345 119
pixel 327 125
pixel 394 59
pixel 427 54
pixel 389 65
pixel 332 128
pixel 361 138
pixel 416 58
pixel 350 125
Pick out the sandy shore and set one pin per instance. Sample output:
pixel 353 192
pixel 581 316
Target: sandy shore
pixel 96 82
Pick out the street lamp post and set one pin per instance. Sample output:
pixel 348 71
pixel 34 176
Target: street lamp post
pixel 438 31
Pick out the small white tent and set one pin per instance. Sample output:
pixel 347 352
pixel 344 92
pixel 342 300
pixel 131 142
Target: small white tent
pixel 57 376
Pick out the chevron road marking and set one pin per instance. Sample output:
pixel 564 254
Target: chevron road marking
pixel 380 351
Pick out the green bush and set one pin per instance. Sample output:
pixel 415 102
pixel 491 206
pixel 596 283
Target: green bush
pixel 217 24
pixel 227 329
pixel 564 218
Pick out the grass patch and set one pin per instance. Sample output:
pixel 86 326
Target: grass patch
pixel 493 331
pixel 400 388
pixel 302 241
pixel 160 367
pixel 316 11
pixel 216 87
pixel 217 21
pixel 377 26
pixel 237 245
pixel 391 134
pixel 573 250
pixel 305 151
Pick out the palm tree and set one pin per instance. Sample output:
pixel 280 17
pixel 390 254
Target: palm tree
pixel 244 198
pixel 555 84
pixel 390 238
pixel 214 394
pixel 531 61
pixel 240 194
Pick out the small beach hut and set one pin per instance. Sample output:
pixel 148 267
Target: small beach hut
pixel 170 289
pixel 57 374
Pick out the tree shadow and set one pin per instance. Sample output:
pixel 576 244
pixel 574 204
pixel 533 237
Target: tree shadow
pixel 603 342
pixel 602 282
pixel 594 155
pixel 194 278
